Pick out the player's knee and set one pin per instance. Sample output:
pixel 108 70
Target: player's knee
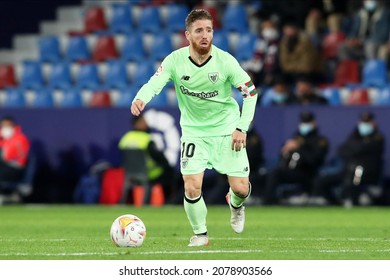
pixel 192 186
pixel 240 187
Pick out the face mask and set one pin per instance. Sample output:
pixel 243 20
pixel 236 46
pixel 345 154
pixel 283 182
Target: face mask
pixel 305 128
pixel 269 34
pixel 370 5
pixel 279 97
pixel 7 132
pixel 365 128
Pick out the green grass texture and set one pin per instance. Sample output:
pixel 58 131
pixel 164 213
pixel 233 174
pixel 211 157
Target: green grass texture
pixel 81 232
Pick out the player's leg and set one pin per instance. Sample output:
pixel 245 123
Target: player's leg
pixel 193 163
pixel 235 165
pixel 239 191
pixel 195 208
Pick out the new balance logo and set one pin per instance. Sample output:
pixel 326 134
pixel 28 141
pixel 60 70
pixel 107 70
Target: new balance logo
pixel 246 169
pixel 185 78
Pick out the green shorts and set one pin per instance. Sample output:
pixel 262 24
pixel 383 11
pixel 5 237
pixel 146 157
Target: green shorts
pixel 197 154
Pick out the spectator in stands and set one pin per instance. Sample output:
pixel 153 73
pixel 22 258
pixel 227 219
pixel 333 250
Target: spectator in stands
pixel 306 94
pixel 315 27
pixel 331 7
pixel 14 150
pixel 369 33
pixel 300 158
pixel 298 56
pixel 264 65
pixel 362 163
pixel 330 44
pixel 282 94
pixel 280 11
pixel 158 168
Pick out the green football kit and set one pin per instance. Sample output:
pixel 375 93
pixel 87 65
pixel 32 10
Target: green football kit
pixel 209 112
pixel 209 116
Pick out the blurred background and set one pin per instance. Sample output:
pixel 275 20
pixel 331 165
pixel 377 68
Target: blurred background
pixel 70 69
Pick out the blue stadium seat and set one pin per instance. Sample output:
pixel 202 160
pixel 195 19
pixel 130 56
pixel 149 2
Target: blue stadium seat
pixel 125 96
pixel 32 76
pixel 77 49
pixel 71 98
pixel 145 70
pixel 14 98
pixel 235 18
pixel 116 75
pixel 43 98
pixel 374 73
pixel 88 77
pixel 60 76
pixel 383 97
pixel 332 95
pixel 221 40
pixel 49 49
pixel 176 17
pixel 149 20
pixel 133 48
pixel 121 20
pixel 245 49
pixel 161 46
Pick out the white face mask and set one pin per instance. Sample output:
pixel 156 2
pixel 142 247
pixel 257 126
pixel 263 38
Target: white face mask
pixel 305 128
pixel 370 5
pixel 269 34
pixel 7 132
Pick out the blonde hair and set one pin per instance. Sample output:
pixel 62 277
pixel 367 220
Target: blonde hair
pixel 195 15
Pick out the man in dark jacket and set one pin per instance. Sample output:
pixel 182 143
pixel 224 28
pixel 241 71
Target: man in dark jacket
pixel 306 93
pixel 362 163
pixel 300 158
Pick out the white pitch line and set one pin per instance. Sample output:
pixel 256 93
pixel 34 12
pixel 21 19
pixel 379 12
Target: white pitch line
pixel 353 251
pixel 137 253
pixel 183 252
pixel 212 238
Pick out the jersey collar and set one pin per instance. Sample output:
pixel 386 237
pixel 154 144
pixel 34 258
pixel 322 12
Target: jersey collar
pixel 204 63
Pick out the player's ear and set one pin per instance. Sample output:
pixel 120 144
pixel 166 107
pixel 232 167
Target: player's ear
pixel 187 34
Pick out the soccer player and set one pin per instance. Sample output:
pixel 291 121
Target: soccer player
pixel 213 128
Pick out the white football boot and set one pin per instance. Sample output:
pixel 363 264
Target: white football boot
pixel 237 216
pixel 199 240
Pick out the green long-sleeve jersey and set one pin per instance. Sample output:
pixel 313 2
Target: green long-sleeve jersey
pixel 204 92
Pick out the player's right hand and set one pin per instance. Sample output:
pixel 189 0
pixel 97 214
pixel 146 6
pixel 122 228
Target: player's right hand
pixel 137 107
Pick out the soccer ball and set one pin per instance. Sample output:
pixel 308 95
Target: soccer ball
pixel 128 231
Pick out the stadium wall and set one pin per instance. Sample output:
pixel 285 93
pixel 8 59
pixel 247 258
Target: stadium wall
pixel 67 142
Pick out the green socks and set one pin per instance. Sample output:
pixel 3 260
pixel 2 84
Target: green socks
pixel 196 211
pixel 237 201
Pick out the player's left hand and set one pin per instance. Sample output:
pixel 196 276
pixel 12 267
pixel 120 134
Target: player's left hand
pixel 238 140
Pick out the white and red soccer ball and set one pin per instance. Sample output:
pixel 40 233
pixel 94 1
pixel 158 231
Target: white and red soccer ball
pixel 128 231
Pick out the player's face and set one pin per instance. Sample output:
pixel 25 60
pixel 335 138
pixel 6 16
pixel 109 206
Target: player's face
pixel 200 36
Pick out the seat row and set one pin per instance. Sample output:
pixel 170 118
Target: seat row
pixel 75 97
pixel 356 94
pixel 126 17
pixel 130 47
pixel 373 73
pixel 62 75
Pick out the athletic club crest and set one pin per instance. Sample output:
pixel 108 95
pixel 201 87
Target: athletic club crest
pixel 184 162
pixel 213 77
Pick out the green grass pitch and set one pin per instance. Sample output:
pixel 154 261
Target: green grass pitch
pixel 46 232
